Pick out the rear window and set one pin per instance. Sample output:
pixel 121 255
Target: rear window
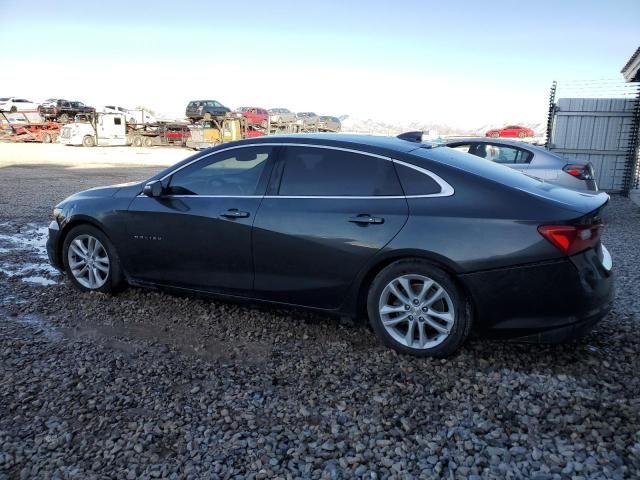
pixel 469 163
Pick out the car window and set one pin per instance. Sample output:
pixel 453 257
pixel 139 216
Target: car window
pixel 328 172
pixel 234 172
pixel 462 148
pixel 505 154
pixel 415 182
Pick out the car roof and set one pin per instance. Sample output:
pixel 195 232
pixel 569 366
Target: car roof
pixel 372 143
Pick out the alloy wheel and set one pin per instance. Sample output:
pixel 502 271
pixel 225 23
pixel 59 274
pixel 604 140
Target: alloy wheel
pixel 416 311
pixel 88 261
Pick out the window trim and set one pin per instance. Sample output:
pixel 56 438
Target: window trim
pixel 446 190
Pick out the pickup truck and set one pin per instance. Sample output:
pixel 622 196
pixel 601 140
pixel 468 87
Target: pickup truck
pixel 63 110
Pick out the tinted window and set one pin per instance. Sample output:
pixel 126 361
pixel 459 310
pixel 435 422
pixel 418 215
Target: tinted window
pixel 462 148
pixel 500 153
pixel 235 172
pixel 327 172
pixel 415 182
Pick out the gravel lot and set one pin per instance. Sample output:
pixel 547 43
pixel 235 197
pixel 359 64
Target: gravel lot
pixel 151 385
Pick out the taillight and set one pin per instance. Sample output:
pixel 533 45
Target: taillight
pixel 583 172
pixel 572 239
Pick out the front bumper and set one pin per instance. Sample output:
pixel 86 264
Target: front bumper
pixel 53 246
pixel 545 302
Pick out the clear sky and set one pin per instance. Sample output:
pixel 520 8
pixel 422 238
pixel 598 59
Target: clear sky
pixel 464 63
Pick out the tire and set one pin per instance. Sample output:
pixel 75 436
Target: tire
pixel 147 141
pixel 521 134
pixel 64 118
pixel 88 141
pixel 137 141
pixel 85 236
pixel 207 116
pixel 264 124
pixel 454 320
pixel 495 135
pixel 13 109
pixel 45 138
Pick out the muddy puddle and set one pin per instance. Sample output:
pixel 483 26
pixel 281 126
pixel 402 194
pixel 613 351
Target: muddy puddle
pixel 129 339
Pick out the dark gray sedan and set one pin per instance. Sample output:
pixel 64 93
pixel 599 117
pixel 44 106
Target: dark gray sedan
pixel 532 160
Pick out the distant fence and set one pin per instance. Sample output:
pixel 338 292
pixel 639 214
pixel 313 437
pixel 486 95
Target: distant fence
pixel 598 121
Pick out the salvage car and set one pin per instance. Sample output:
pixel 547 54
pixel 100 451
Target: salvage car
pixel 511 131
pixel 15 104
pixel 307 119
pixel 205 110
pixel 281 115
pixel 329 124
pixel 426 242
pixel 254 115
pixel 531 160
pixel 63 110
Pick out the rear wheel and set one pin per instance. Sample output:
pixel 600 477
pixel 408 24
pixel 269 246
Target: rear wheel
pixel 522 134
pixel 416 308
pixel 495 134
pixel 90 260
pixel 64 118
pixel 88 141
pixel 45 138
pixel 137 141
pixel 147 142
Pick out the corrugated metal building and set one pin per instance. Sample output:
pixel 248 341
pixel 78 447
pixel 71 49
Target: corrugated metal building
pixel 599 121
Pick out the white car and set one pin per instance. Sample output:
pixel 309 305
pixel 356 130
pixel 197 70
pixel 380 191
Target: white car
pixel 15 104
pixel 281 115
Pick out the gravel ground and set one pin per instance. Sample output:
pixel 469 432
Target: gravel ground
pixel 151 385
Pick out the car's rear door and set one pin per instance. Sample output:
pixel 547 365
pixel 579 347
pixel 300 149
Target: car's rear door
pixel 198 234
pixel 328 211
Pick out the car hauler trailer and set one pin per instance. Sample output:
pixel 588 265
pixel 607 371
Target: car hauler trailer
pixel 17 127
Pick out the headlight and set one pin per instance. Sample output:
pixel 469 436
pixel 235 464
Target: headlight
pixel 57 212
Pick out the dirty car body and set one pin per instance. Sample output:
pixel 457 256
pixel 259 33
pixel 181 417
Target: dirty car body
pixel 524 255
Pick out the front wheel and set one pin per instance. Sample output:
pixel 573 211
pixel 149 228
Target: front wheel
pixel 88 141
pixel 416 308
pixel 90 260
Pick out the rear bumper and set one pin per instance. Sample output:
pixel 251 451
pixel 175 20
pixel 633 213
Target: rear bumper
pixel 53 250
pixel 546 302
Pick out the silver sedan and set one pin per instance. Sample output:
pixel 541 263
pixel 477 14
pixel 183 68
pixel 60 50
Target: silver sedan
pixel 531 160
pixel 281 115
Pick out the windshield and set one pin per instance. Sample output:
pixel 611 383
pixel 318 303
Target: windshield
pixel 77 104
pixel 4 99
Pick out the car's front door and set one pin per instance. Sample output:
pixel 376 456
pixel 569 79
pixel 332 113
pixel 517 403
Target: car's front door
pixel 198 233
pixel 327 212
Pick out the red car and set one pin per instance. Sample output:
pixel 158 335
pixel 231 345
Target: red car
pixel 254 115
pixel 511 131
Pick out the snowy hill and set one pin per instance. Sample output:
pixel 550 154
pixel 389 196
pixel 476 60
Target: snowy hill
pixel 372 126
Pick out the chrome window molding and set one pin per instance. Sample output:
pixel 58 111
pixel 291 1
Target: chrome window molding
pixel 446 189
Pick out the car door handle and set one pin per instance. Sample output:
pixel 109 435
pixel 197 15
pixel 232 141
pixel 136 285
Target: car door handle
pixel 366 219
pixel 234 213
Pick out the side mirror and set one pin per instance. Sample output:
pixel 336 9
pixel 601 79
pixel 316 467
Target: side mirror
pixel 153 189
